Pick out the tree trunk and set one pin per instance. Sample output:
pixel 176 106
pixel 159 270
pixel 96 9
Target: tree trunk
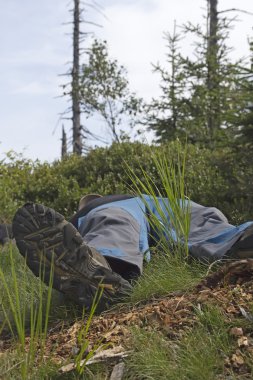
pixel 77 137
pixel 251 55
pixel 173 79
pixel 212 71
pixel 63 143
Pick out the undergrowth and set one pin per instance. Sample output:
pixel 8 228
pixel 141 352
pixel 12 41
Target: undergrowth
pixel 25 309
pixel 22 313
pixel 165 274
pixel 198 355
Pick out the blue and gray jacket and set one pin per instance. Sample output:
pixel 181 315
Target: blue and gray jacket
pixel 118 227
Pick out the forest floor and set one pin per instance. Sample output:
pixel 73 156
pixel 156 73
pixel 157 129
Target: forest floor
pixel 203 332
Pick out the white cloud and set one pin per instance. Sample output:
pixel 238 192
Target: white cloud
pixel 46 55
pixel 35 50
pixel 33 88
pixel 135 34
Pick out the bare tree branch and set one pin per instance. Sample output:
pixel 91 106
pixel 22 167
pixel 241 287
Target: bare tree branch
pixel 236 10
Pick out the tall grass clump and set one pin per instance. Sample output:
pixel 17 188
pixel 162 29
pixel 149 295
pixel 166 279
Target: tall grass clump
pixel 83 341
pixel 169 209
pixel 25 307
pixel 198 355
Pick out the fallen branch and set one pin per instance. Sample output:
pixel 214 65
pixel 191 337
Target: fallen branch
pixel 101 356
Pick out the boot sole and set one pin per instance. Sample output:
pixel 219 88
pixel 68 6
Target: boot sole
pixel 49 242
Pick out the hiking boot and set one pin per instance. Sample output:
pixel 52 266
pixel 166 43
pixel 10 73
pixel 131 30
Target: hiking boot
pixel 243 248
pixel 48 241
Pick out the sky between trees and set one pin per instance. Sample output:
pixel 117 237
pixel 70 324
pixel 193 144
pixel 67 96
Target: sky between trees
pixel 35 49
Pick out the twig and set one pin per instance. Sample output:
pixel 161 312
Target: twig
pixel 181 299
pixel 211 266
pixel 235 10
pixel 10 369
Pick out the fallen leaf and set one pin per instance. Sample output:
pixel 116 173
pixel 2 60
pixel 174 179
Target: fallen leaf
pixel 243 341
pixel 231 309
pixel 237 360
pixel 67 368
pixel 236 331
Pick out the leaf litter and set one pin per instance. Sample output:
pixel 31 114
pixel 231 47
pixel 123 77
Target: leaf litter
pixel 230 288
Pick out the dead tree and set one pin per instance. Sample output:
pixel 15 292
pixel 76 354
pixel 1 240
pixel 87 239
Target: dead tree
pixel 63 143
pixel 72 88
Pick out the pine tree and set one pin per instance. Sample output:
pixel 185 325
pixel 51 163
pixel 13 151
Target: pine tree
pixel 244 115
pixel 213 76
pixel 206 85
pixel 167 116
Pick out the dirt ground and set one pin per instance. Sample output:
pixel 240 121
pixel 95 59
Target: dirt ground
pixel 230 288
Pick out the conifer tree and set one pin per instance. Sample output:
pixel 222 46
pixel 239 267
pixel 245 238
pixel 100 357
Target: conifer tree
pixel 167 116
pixel 244 115
pixel 206 84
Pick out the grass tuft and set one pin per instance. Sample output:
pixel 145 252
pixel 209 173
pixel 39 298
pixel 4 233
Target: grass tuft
pixel 169 213
pixel 199 355
pixel 25 308
pixel 166 274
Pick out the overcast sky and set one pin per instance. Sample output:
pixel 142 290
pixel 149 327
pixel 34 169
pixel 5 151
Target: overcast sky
pixel 35 49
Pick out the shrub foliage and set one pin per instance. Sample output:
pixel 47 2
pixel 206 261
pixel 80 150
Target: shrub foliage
pixel 220 178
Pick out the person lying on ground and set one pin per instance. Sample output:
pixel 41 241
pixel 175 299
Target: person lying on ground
pixel 104 243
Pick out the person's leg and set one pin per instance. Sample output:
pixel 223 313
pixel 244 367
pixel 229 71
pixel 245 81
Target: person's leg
pixel 44 238
pixel 243 248
pixel 212 238
pixel 119 231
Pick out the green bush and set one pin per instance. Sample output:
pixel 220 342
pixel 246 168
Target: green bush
pixel 15 172
pixel 220 178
